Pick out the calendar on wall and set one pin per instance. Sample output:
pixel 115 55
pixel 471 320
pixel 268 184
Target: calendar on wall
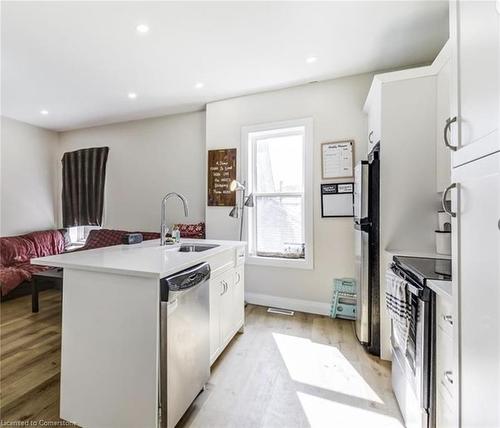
pixel 337 159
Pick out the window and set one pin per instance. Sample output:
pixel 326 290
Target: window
pixel 79 234
pixel 278 172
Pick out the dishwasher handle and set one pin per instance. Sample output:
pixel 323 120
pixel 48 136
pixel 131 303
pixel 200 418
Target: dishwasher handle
pixel 185 279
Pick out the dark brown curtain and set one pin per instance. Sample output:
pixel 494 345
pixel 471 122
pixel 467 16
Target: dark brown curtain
pixel 84 173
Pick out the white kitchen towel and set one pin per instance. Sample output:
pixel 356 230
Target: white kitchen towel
pixel 398 307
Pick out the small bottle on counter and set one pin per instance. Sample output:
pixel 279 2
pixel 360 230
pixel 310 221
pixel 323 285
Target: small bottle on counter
pixel 176 233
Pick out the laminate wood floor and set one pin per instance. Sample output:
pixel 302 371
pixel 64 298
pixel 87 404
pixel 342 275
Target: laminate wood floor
pixel 30 359
pixel 300 371
pixel 283 372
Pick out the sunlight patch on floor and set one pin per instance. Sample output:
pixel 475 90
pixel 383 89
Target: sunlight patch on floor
pixel 321 412
pixel 322 366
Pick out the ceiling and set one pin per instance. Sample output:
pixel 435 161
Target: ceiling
pixel 79 60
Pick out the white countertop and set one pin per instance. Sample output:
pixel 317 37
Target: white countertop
pixel 145 259
pixel 441 288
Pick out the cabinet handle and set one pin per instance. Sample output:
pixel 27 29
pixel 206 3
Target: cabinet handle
pixel 223 288
pixel 239 277
pixel 448 319
pixel 448 375
pixel 447 127
pixel 443 199
pixel 370 137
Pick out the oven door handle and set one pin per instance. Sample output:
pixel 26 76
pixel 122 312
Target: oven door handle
pixel 413 289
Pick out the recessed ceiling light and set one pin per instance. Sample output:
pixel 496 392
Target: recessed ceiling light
pixel 132 95
pixel 44 112
pixel 199 85
pixel 311 59
pixel 142 28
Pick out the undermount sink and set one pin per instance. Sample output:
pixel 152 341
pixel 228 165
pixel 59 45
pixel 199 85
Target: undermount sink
pixel 193 248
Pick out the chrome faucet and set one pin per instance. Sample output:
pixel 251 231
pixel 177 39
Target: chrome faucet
pixel 163 230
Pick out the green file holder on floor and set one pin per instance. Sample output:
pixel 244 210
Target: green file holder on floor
pixel 344 299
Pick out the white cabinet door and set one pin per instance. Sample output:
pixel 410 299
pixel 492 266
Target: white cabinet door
pixel 226 307
pixel 476 280
pixel 238 296
pixel 216 289
pixel 443 154
pixel 474 30
pixel 374 121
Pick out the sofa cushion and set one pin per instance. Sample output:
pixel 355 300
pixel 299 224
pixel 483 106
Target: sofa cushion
pixel 47 242
pixel 12 276
pixel 16 249
pixel 193 231
pixel 99 238
pixel 148 236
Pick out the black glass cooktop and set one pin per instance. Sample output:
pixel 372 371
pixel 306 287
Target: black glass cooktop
pixel 424 268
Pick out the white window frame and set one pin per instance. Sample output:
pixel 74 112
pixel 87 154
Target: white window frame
pixel 81 232
pixel 248 132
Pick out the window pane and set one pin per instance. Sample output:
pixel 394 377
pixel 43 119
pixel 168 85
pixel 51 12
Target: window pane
pixel 279 226
pixel 279 164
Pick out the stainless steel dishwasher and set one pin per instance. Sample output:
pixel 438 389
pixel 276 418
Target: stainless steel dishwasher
pixel 184 341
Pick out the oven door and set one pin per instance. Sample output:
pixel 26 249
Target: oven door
pixel 411 367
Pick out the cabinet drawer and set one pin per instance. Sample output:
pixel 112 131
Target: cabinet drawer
pixel 444 363
pixel 220 263
pixel 444 315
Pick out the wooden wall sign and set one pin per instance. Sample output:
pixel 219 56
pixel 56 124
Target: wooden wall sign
pixel 221 171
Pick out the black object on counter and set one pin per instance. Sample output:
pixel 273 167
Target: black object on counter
pixel 132 238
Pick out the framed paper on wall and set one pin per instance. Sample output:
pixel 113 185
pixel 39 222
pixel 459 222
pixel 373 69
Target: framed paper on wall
pixel 337 159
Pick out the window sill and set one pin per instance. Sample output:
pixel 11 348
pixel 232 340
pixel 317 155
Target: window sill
pixel 75 246
pixel 281 263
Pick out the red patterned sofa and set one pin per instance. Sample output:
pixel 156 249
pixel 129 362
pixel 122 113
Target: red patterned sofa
pixel 99 238
pixel 16 253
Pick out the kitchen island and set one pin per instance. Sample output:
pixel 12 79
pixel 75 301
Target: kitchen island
pixel 111 325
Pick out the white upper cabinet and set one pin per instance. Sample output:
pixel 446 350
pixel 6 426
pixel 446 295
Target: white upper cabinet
pixel 475 34
pixel 373 108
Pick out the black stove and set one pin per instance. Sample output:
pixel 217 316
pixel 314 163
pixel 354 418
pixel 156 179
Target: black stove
pixel 424 268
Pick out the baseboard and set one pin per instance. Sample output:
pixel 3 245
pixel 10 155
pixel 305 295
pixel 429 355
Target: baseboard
pixel 308 306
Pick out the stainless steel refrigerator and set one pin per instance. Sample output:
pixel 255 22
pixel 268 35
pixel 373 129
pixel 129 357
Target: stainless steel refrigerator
pixel 366 247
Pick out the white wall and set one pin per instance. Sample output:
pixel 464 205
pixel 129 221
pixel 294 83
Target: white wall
pixel 28 178
pixel 147 159
pixel 407 178
pixel 336 109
